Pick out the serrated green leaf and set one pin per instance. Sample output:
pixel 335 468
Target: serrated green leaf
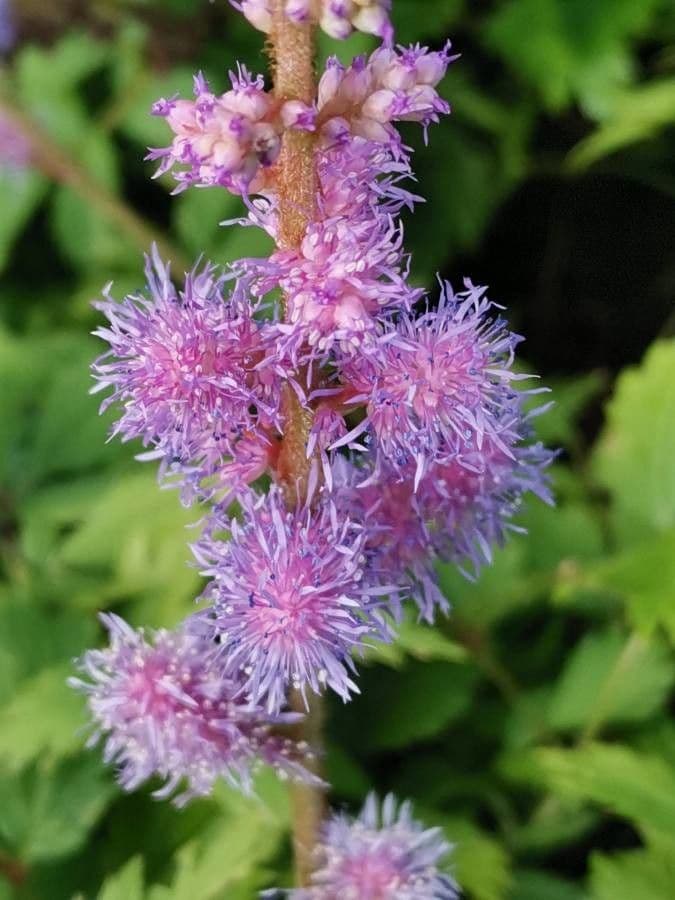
pixel 634 458
pixel 198 214
pixel 629 876
pixel 33 639
pixel 138 535
pixel 48 812
pixel 562 535
pixel 229 855
pixel 637 786
pixel 83 231
pixel 572 396
pixel 127 884
pixel 608 679
pixel 44 717
pixel 496 592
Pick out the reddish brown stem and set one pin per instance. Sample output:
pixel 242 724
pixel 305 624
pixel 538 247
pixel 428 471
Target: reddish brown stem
pixel 292 49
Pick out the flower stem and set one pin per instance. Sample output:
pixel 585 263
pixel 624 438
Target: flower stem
pixel 50 158
pixel 292 52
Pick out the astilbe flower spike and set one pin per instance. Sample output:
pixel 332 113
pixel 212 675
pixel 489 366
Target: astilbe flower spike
pixel 164 707
pixel 290 600
pixel 383 854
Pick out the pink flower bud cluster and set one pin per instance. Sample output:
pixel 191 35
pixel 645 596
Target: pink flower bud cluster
pixel 391 86
pixel 226 140
pixel 338 18
pixel 231 140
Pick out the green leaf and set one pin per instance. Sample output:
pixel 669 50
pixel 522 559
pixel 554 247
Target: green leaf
pixel 229 854
pixel 643 874
pixel 498 590
pixel 611 679
pixel 83 231
pixel 198 214
pixel 572 396
pixel 21 191
pixel 45 716
pixel 638 115
pixel 563 535
pixel 401 707
pixel 530 884
pixel 642 576
pixel 417 20
pixel 66 409
pixel 127 884
pixel 545 58
pixel 48 812
pixel 633 459
pixel 637 786
pixel 33 639
pixel 480 864
pixel 344 774
pixel 573 50
pixel 419 641
pixel 47 82
pixel 137 535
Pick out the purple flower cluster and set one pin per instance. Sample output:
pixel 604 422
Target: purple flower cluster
pixel 165 708
pixel 338 18
pixel 290 601
pixel 383 854
pixel 189 371
pixel 227 140
pixel 415 445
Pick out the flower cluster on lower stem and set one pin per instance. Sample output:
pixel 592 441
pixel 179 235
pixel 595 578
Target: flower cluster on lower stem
pixel 164 707
pixel 382 854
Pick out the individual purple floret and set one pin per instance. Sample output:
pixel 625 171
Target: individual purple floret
pixel 458 513
pixel 290 601
pixel 436 387
pixel 226 140
pixel 383 854
pixel 392 85
pixel 164 707
pixel 186 368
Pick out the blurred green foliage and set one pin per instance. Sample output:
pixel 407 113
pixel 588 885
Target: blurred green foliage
pixel 532 724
